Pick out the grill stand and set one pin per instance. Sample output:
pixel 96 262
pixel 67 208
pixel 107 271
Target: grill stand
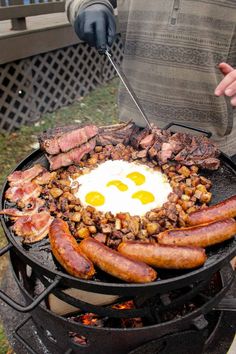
pixel 12 319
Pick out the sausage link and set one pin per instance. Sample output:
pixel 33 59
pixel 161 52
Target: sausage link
pixel 199 236
pixel 169 257
pixel 222 210
pixel 114 263
pixel 67 251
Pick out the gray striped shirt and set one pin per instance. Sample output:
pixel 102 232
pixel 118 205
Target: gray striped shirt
pixel 171 56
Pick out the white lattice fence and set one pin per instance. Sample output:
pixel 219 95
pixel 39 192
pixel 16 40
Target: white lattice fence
pixel 45 82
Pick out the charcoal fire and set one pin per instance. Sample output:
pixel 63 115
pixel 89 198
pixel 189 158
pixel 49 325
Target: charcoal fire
pixel 177 306
pixel 91 319
pixel 88 319
pixel 128 322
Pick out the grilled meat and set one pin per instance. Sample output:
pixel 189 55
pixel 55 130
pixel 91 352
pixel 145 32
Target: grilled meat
pixel 67 251
pixel 199 235
pixel 180 147
pixel 138 135
pixel 73 156
pixel 115 134
pixel 62 139
pixel 67 143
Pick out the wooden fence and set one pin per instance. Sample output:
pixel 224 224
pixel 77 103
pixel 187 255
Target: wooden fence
pixel 23 2
pixel 45 82
pixel 44 68
pixel 18 10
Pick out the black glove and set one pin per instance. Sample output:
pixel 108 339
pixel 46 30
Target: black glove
pixel 96 26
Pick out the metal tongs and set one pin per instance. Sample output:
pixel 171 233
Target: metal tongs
pixel 128 87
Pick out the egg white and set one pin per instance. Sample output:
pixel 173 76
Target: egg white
pixel 121 201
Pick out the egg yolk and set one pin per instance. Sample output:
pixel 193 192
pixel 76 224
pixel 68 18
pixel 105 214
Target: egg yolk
pixel 144 197
pixel 94 199
pixel 137 178
pixel 120 185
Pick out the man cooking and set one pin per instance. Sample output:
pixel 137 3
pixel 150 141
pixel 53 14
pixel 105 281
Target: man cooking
pixel 175 53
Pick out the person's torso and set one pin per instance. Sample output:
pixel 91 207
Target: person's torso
pixel 172 52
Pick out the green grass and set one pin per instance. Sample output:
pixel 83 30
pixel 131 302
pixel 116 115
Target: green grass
pixel 3 342
pixel 98 107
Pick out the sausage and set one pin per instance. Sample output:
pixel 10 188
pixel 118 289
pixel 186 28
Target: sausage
pixel 199 236
pixel 67 251
pixel 222 210
pixel 114 263
pixel 169 257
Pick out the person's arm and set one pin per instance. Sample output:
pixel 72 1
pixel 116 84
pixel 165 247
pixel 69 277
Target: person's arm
pixel 228 85
pixel 93 21
pixel 74 6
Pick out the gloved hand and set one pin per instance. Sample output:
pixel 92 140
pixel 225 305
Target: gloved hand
pixel 96 26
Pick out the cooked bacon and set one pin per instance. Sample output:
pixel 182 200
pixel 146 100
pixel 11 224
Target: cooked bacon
pixel 33 228
pixel 13 212
pixel 32 207
pixel 34 204
pixel 44 178
pixel 18 178
pixel 23 193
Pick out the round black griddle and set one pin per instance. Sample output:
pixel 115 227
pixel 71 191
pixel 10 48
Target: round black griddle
pixel 40 258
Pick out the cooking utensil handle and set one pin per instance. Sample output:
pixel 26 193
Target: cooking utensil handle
pixel 21 339
pixel 129 89
pixel 172 124
pixel 18 307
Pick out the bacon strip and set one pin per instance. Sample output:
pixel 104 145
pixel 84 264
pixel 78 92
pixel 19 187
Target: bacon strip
pixel 33 207
pixel 18 178
pixel 44 178
pixel 33 228
pixel 23 193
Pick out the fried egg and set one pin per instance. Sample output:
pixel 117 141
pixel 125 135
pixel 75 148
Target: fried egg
pixel 121 186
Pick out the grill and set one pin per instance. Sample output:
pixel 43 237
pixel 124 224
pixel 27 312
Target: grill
pixel 172 292
pixel 180 318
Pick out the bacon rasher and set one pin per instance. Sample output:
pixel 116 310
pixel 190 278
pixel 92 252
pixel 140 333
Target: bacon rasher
pixel 21 177
pixel 45 177
pixel 33 206
pixel 23 193
pixel 33 228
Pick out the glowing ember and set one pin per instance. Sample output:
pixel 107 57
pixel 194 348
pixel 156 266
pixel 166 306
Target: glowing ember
pixel 128 322
pixel 89 319
pixel 77 339
pixel 124 305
